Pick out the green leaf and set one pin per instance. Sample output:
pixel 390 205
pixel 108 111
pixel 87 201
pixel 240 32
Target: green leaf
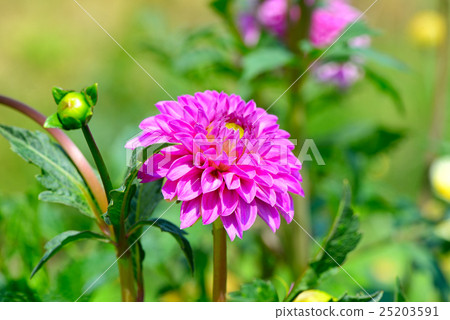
pixel 256 291
pixel 342 239
pixel 307 47
pixel 53 122
pixel 362 137
pixel 381 58
pixel 199 59
pixel 386 87
pixel 17 291
pixel 119 206
pixel 167 226
pixel 59 93
pixel 358 29
pixel 379 141
pixel 91 94
pixel 264 60
pixel 144 201
pixel 58 242
pixel 375 297
pixel 399 292
pixel 59 176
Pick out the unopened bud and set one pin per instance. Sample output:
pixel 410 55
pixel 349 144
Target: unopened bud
pixel 74 108
pixel 74 111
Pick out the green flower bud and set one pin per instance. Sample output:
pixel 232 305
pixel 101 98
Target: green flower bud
pixel 74 108
pixel 74 111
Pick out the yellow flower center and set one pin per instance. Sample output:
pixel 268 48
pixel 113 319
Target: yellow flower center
pixel 236 127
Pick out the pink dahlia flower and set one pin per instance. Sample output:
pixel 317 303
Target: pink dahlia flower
pixel 231 161
pixel 329 21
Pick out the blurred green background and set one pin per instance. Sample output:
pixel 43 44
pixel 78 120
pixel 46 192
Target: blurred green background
pixel 48 43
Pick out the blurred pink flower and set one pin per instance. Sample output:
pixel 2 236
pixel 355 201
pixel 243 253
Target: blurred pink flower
pixel 329 21
pixel 250 29
pixel 231 161
pixel 272 14
pixel 342 75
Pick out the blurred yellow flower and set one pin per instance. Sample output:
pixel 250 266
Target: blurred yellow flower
pixel 440 177
pixel 313 296
pixel 428 28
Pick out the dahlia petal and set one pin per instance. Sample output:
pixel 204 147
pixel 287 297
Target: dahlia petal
pixel 230 200
pixel 186 140
pixel 149 124
pixel 287 211
pixel 202 118
pixel 249 108
pixel 231 180
pixel 180 125
pixel 189 186
pixel 243 171
pixel 250 160
pixel 154 167
pixel 180 167
pixel 171 108
pixel 247 213
pixel 211 180
pixel 293 184
pixel 247 191
pixel 232 226
pixel 190 212
pixel 190 114
pixel 264 178
pixel 169 190
pixel 146 139
pixel 162 121
pixel 266 194
pixel 284 200
pixel 206 102
pixel 269 215
pixel 175 152
pixel 211 207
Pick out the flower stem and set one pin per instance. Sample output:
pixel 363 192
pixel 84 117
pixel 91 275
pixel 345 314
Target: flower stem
pixel 104 175
pixel 139 274
pixel 220 262
pixel 440 94
pixel 126 275
pixel 438 115
pixel 295 240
